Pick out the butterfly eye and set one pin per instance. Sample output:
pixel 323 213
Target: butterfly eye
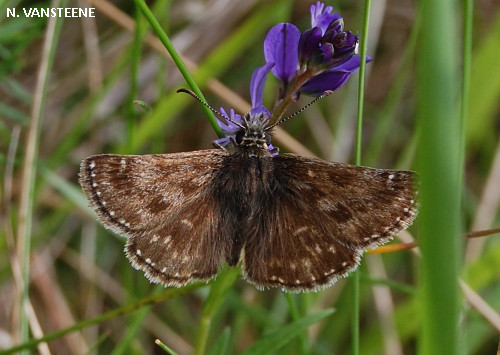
pixel 268 139
pixel 239 136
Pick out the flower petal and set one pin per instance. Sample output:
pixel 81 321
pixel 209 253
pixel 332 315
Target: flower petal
pixel 260 110
pixel 326 81
pixel 258 82
pixel 320 18
pixel 308 43
pixel 332 79
pixel 224 141
pixel 281 48
pixel 352 64
pixel 229 128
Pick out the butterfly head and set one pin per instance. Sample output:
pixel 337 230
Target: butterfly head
pixel 253 131
pixel 249 132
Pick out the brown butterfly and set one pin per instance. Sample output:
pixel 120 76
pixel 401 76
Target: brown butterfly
pixel 292 222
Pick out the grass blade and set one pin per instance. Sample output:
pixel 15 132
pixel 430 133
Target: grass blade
pixel 283 335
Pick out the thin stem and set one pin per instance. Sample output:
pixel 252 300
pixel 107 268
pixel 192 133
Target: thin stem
pixel 134 74
pixel 162 36
pixel 294 312
pixel 361 86
pixel 280 110
pixel 359 128
pixel 466 73
pixel 24 230
pixel 218 292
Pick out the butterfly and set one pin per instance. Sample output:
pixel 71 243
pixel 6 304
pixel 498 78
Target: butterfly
pixel 290 221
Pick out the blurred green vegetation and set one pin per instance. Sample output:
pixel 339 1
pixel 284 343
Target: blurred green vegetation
pixel 77 268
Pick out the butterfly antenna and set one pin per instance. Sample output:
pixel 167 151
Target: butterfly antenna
pixel 325 94
pixel 217 113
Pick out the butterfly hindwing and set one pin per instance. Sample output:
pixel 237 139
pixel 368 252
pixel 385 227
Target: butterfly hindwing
pixel 321 218
pixel 155 201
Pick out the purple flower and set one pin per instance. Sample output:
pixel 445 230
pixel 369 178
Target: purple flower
pixel 257 84
pixel 259 112
pixel 331 79
pixel 315 62
pixel 318 60
pixel 281 49
pixel 320 18
pixel 230 127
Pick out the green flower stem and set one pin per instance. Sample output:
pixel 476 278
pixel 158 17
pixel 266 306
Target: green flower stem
pixel 218 292
pixel 296 316
pixel 178 62
pixel 359 130
pixel 297 83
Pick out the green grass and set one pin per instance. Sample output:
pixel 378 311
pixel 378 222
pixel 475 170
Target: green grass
pixel 424 109
pixel 440 171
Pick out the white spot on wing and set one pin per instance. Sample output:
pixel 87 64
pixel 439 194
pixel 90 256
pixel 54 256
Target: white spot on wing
pixel 92 165
pixel 329 272
pixel 300 230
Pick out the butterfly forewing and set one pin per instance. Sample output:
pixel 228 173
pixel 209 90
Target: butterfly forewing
pixel 154 200
pixel 321 218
